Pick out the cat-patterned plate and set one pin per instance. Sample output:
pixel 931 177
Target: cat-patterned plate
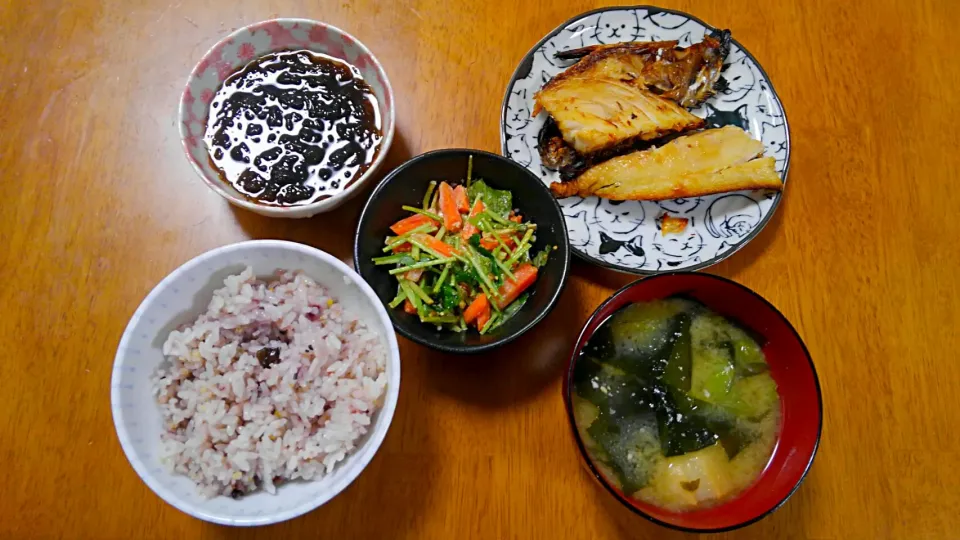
pixel 626 235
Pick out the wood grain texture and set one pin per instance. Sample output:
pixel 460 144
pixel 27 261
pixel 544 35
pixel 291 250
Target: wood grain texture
pixel 99 204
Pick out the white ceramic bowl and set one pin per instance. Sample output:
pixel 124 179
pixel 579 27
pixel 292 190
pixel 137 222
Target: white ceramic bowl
pixel 178 299
pixel 249 43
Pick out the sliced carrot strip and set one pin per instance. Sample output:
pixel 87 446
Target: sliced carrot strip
pixel 483 318
pixel 460 196
pixel 408 307
pixel 525 275
pixel 448 208
pixel 431 242
pixel 408 224
pixel 468 228
pixel 478 306
pixel 413 275
pixel 488 243
pixel 403 248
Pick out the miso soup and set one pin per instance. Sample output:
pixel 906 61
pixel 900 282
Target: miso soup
pixel 675 404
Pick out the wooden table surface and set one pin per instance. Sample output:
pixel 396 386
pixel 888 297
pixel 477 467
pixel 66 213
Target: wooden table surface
pixel 99 204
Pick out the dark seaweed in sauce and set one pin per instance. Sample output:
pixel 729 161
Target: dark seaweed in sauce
pixel 293 127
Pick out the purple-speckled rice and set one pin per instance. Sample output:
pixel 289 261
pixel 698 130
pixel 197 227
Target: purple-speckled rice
pixel 235 423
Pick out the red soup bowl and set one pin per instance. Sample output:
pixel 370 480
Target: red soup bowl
pixel 790 366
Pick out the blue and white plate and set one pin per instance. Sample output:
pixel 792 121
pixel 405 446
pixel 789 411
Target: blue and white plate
pixel 626 235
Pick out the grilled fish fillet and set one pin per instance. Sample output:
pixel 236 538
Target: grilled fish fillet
pixel 711 161
pixel 623 93
pixel 597 113
pixel 685 75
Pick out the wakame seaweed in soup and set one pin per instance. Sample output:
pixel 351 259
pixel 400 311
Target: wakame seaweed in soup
pixel 675 404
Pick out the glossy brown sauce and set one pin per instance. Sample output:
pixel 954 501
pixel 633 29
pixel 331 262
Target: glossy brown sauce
pixel 292 128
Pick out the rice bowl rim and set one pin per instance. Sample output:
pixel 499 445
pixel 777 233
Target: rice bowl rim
pixel 358 459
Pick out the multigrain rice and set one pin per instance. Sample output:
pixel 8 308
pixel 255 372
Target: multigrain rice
pixel 276 381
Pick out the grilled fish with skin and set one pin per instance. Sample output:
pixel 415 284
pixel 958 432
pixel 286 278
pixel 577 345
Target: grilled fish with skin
pixel 684 75
pixel 624 93
pixel 555 153
pixel 711 161
pixel 597 113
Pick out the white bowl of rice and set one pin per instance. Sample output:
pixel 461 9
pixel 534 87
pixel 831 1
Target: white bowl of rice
pixel 255 382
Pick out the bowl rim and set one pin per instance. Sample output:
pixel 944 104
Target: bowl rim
pixel 566 390
pixel 527 58
pixel 316 206
pixel 562 246
pixel 364 454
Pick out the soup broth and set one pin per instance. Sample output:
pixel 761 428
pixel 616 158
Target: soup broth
pixel 675 404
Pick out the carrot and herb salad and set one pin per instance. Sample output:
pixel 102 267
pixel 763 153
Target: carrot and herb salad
pixel 463 257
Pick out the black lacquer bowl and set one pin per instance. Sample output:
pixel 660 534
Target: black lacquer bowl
pixel 407 184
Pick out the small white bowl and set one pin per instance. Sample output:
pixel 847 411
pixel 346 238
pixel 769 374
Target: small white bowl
pixel 178 299
pixel 249 43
